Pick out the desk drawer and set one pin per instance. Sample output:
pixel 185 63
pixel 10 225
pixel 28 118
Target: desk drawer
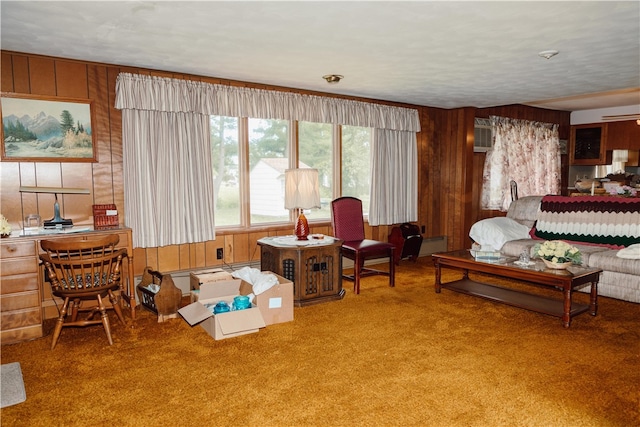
pixel 21 318
pixel 17 249
pixel 19 301
pixel 12 266
pixel 124 241
pixel 19 283
pixel 11 336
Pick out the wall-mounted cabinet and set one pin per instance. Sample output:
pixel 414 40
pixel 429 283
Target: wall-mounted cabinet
pixel 588 144
pixel 624 135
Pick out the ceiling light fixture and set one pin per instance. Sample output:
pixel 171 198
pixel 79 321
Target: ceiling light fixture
pixel 333 78
pixel 547 54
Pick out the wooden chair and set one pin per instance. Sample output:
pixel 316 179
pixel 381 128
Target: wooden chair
pixel 348 225
pixel 81 270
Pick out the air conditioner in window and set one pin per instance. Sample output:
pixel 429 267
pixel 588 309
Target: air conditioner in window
pixel 483 135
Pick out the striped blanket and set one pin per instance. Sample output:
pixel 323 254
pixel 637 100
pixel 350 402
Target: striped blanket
pixel 613 222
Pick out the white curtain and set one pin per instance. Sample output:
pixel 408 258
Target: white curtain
pixel 168 177
pixel 177 143
pixel 136 91
pixel 394 184
pixel 525 152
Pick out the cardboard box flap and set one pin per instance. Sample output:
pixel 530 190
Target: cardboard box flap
pixel 213 275
pixel 245 288
pixel 219 289
pixel 195 313
pixel 240 321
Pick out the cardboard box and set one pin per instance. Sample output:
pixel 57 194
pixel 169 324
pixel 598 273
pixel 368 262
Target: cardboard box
pixel 223 325
pixel 276 303
pixel 197 278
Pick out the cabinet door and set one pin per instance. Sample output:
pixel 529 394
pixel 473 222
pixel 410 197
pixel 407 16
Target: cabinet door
pixel 588 144
pixel 623 135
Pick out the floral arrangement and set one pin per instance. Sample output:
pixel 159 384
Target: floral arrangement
pixel 5 227
pixel 558 251
pixel 623 190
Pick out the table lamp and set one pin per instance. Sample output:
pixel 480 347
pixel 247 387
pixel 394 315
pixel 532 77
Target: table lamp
pixel 57 221
pixel 301 192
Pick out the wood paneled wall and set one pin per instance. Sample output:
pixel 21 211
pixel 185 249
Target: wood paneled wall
pixel 72 79
pixel 448 169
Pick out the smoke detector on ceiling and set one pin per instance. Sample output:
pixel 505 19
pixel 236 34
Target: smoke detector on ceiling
pixel 547 54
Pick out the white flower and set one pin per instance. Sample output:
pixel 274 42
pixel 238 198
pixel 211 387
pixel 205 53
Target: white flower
pixel 623 190
pixel 5 227
pixel 558 251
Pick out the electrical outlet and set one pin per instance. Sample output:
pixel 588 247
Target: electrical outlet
pixel 219 253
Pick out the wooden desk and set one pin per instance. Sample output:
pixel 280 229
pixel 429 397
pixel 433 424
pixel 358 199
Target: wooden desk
pixel 25 297
pixel 315 269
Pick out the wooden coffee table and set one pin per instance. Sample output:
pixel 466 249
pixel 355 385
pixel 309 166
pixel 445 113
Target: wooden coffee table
pixel 566 281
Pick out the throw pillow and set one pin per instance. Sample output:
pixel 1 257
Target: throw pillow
pixel 495 232
pixel 630 252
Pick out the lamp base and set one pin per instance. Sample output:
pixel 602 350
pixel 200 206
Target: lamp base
pixel 302 227
pixel 58 223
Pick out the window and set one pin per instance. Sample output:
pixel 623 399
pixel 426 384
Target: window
pixel 315 150
pixel 356 164
pixel 268 159
pixel 226 180
pixel 264 148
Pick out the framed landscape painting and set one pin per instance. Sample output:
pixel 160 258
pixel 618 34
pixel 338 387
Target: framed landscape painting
pixel 47 129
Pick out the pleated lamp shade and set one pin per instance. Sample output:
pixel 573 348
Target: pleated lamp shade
pixel 301 192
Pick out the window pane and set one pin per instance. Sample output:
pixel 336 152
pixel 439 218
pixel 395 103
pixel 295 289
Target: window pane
pixel 224 154
pixel 315 148
pixel 356 148
pixel 268 159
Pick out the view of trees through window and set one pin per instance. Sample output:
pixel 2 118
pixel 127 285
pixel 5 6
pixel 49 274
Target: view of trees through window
pixel 225 157
pixel 315 150
pixel 356 164
pixel 269 151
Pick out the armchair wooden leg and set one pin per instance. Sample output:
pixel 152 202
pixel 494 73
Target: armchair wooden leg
pixel 59 323
pixel 357 269
pixel 116 307
pixel 105 319
pixel 392 268
pixel 75 309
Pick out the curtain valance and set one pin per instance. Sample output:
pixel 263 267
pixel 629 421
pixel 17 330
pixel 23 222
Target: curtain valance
pixel 140 92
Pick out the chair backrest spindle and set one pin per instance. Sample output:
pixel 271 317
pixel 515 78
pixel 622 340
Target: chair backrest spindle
pixel 77 265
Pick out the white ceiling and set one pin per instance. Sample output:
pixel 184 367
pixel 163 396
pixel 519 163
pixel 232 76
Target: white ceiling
pixel 432 53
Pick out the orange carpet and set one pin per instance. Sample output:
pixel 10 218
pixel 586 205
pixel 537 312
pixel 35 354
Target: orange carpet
pixel 402 356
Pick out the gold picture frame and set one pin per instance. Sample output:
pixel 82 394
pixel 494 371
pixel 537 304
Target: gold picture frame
pixel 47 129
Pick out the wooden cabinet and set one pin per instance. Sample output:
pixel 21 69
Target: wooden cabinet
pixel 592 144
pixel 315 269
pixel 25 297
pixel 20 298
pixel 588 144
pixel 623 135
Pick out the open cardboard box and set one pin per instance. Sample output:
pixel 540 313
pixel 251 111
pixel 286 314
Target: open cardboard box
pixel 197 278
pixel 222 325
pixel 276 303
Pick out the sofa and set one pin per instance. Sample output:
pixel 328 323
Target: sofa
pixel 605 229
